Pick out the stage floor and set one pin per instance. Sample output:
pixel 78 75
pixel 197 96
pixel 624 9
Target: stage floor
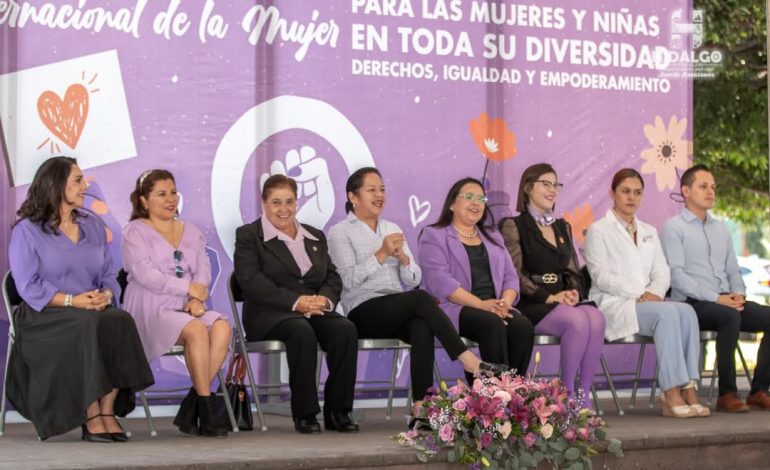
pixel 650 441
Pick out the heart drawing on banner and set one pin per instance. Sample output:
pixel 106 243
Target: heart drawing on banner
pixel 418 211
pixel 65 118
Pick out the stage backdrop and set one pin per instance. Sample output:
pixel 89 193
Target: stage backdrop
pixel 224 93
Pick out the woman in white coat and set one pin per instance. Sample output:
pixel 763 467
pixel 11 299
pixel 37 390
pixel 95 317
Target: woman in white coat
pixel 630 278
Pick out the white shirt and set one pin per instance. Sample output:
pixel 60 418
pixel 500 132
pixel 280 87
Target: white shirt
pixel 622 271
pixel 352 244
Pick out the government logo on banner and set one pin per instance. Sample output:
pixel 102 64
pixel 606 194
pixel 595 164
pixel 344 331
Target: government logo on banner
pixel 76 108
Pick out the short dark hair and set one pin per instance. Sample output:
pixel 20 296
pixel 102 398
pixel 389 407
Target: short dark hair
pixel 623 174
pixel 355 181
pixel 46 194
pixel 688 177
pixel 278 181
pixel 144 185
pixel 528 178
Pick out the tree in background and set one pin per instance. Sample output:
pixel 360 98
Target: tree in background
pixel 731 126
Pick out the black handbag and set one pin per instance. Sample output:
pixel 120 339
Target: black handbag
pixel 236 390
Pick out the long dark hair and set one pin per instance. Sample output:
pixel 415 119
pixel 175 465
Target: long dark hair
pixel 46 194
pixel 355 181
pixel 528 178
pixel 143 188
pixel 445 217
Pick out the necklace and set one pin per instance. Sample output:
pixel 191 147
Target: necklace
pixel 468 236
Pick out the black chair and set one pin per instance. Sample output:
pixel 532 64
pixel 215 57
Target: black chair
pixel 273 346
pixel 174 351
pixel 11 299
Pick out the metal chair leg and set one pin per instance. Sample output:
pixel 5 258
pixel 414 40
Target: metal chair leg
pixel 393 371
pixel 713 379
pixel 226 397
pixel 611 385
pixel 743 363
pixel 253 385
pixel 637 375
pixel 654 384
pixel 596 401
pixel 147 414
pixel 4 404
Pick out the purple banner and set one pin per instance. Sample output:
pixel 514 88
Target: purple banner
pixel 224 93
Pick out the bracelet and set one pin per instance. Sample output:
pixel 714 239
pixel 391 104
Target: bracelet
pixel 68 300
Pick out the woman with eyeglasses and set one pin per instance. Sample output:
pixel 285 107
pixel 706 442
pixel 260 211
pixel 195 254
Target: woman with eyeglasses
pixel 290 290
pixel 541 248
pixel 630 279
pixel 376 266
pixel 168 281
pixel 465 265
pixel 77 360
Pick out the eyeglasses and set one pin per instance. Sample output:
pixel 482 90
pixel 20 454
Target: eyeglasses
pixel 549 185
pixel 178 269
pixel 471 196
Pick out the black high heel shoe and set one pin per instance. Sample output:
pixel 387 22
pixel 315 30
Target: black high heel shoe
pixel 94 437
pixel 419 424
pixel 117 436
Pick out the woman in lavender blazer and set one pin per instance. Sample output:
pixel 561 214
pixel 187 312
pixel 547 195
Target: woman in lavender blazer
pixel 466 266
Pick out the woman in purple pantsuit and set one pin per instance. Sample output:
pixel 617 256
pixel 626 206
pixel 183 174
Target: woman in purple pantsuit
pixel 541 248
pixel 169 275
pixel 77 360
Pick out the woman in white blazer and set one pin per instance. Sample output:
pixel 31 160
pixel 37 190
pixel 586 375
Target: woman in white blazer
pixel 630 278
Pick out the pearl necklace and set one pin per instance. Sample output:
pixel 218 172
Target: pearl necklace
pixel 465 235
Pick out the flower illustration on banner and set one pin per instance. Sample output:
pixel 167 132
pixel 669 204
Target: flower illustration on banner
pixel 668 153
pixel 580 219
pixel 66 117
pixel 493 138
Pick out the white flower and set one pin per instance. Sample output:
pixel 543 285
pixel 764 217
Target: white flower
pixel 546 430
pixel 504 429
pixel 504 396
pixel 491 145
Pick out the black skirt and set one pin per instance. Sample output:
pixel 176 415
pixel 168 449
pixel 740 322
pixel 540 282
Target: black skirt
pixel 66 358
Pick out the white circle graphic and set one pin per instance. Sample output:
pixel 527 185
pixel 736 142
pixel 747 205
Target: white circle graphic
pixel 261 122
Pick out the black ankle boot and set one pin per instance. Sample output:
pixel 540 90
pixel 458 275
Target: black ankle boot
pixel 187 416
pixel 210 424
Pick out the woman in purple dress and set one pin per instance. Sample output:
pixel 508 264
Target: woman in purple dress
pixel 77 360
pixel 168 280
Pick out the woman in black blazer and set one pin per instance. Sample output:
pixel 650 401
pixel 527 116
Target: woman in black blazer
pixel 290 288
pixel 541 248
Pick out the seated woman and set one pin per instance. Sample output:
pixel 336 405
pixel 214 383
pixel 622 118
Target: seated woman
pixel 168 279
pixel 374 261
pixel 77 360
pixel 466 267
pixel 630 278
pixel 290 288
pixel 541 248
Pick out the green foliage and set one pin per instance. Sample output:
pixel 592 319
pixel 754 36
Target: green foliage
pixel 731 127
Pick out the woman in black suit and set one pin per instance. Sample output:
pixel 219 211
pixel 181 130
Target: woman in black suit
pixel 541 248
pixel 290 288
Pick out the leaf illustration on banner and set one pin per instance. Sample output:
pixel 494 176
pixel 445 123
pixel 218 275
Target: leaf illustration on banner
pixel 418 211
pixel 580 219
pixel 669 152
pixel 313 182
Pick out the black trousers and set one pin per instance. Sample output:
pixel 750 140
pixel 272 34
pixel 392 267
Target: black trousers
pixel 509 344
pixel 728 323
pixel 337 337
pixel 413 317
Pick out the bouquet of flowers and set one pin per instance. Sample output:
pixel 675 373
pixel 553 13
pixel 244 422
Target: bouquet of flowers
pixel 509 422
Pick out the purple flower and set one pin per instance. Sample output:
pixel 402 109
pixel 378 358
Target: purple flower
pixel 446 433
pixel 486 439
pixel 569 435
pixel 530 438
pixel 583 433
